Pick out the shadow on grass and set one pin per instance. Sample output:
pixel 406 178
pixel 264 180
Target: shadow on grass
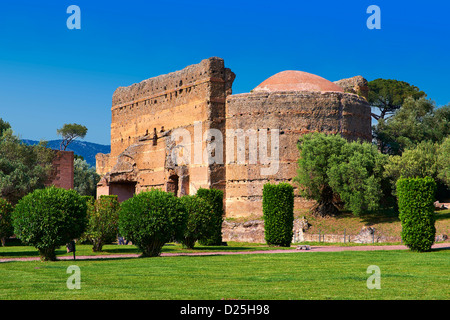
pixel 441 249
pixel 14 254
pixel 130 250
pixel 27 253
pixel 443 215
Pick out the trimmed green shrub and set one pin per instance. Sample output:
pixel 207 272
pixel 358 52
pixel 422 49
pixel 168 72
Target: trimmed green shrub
pixel 49 218
pixel 90 200
pixel 200 221
pixel 103 215
pixel 278 213
pixel 6 228
pixel 416 198
pixel 152 218
pixel 215 198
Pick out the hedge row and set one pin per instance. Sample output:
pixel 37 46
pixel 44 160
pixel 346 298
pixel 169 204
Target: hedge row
pixel 52 217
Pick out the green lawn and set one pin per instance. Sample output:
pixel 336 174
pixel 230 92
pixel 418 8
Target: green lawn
pixel 300 275
pixel 86 250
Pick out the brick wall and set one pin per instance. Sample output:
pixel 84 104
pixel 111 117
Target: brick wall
pixel 62 175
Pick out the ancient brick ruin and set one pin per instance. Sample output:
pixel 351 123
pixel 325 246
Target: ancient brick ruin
pixel 62 170
pixel 235 143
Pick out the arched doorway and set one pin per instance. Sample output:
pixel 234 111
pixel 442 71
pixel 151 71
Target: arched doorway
pixel 172 184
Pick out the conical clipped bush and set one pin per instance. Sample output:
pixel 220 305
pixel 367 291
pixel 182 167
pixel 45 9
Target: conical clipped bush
pixel 278 213
pixel 416 198
pixel 215 198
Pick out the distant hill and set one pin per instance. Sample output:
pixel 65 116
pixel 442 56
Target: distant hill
pixel 87 150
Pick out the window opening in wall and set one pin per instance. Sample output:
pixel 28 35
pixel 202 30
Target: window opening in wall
pixel 155 137
pixel 172 185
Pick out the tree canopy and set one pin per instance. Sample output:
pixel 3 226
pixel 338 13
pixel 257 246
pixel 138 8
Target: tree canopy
pixel 70 132
pixel 85 178
pixel 23 168
pixel 426 159
pixel 316 151
pixel 330 166
pixel 417 120
pixel 388 95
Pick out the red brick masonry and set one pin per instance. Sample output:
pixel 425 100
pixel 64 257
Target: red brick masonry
pixel 62 175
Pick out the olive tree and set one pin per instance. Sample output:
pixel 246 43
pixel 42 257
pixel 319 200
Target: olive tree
pixel 330 167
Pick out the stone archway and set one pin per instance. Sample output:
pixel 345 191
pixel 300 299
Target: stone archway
pixel 172 184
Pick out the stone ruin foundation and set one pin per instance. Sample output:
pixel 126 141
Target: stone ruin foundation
pixel 198 100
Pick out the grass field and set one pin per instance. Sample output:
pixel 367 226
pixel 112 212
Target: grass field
pixel 405 275
pixel 297 276
pixel 113 249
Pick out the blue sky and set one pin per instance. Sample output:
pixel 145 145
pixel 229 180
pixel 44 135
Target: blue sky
pixel 50 75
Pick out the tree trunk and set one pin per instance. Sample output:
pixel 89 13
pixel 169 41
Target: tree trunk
pixel 152 250
pixel 188 243
pixel 325 206
pixel 97 246
pixel 323 209
pixel 47 254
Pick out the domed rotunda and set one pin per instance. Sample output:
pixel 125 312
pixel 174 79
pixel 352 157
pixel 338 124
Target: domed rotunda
pixel 295 103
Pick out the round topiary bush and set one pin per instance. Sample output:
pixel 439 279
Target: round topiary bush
pixel 49 218
pixel 200 220
pixel 152 218
pixel 416 198
pixel 278 213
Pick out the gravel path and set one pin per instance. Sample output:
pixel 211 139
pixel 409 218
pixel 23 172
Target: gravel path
pixel 444 245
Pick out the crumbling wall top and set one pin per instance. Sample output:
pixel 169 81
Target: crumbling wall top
pixel 211 69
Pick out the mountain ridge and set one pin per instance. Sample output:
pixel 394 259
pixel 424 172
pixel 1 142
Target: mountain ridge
pixel 86 149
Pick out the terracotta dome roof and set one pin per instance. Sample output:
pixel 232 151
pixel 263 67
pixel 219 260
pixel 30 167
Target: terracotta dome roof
pixel 297 81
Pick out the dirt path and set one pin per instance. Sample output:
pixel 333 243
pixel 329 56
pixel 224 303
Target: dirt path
pixel 444 245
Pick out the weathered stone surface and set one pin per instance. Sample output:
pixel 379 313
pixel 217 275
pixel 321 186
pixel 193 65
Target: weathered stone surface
pixel 293 113
pixel 143 117
pixel 441 237
pixel 146 115
pixel 253 231
pixel 366 235
pixel 357 85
